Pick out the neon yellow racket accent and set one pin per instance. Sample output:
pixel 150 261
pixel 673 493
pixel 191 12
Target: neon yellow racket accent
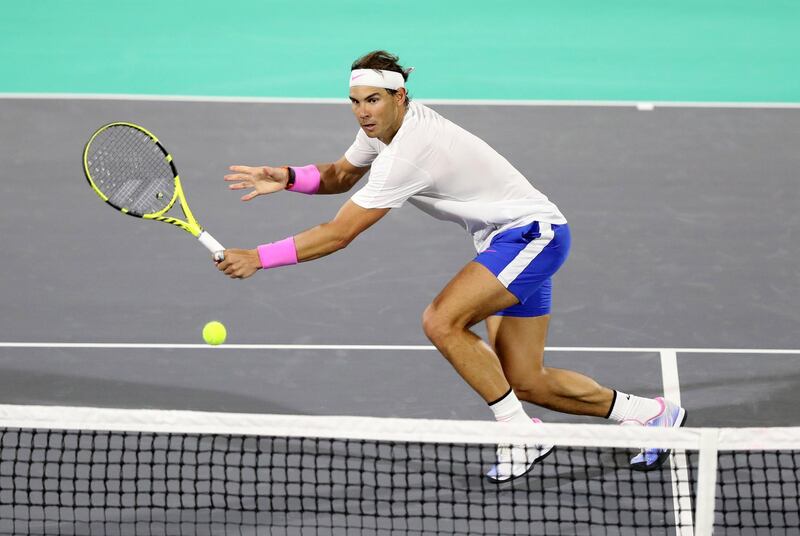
pixel 190 225
pixel 128 168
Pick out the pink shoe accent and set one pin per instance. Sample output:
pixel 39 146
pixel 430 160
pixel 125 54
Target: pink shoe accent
pixel 660 400
pixel 637 422
pixel 631 422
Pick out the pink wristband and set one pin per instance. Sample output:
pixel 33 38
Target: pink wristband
pixel 306 180
pixel 281 253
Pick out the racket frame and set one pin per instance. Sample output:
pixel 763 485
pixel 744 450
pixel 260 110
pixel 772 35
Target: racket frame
pixel 190 225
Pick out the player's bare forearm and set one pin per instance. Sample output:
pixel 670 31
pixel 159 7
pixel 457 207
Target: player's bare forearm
pixel 319 241
pixel 338 177
pixel 336 234
pixel 335 178
pixel 322 240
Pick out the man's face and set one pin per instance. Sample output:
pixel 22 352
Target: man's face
pixel 379 113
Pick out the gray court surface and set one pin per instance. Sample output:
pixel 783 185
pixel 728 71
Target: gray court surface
pixel 685 226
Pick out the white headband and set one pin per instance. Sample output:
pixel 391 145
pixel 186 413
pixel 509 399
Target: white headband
pixel 376 78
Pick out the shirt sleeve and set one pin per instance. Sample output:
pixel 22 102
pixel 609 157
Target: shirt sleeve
pixel 391 182
pixel 362 153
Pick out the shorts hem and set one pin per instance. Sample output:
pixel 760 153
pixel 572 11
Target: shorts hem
pixel 523 314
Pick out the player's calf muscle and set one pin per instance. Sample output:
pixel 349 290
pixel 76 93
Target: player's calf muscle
pixel 562 390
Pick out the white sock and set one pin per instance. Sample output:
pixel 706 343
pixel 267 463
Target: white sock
pixel 509 409
pixel 633 408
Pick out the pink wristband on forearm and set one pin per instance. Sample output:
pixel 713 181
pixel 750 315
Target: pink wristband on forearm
pixel 306 180
pixel 281 253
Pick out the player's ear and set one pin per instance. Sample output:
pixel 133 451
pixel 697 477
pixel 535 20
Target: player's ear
pixel 400 95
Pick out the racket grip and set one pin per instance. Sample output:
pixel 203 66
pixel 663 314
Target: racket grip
pixel 212 245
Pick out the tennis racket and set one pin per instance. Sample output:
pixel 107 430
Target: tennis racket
pixel 130 170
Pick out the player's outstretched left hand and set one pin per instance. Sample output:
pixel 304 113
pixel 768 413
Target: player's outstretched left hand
pixel 263 180
pixel 240 263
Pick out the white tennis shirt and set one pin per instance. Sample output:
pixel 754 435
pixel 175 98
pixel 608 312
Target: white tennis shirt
pixel 449 173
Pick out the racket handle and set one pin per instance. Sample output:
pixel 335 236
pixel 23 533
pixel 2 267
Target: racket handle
pixel 212 245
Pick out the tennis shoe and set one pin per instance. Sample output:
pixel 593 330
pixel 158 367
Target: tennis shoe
pixel 671 416
pixel 514 461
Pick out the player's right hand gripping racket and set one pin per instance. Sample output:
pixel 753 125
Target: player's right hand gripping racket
pixel 130 170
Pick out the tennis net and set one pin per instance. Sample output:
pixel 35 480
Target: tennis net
pixel 79 471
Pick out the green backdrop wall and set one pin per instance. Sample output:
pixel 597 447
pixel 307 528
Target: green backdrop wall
pixel 680 50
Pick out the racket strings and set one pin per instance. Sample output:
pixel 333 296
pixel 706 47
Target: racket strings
pixel 130 169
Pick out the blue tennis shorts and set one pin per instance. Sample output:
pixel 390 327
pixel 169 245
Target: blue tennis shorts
pixel 524 260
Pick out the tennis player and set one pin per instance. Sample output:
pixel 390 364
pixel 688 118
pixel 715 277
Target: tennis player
pixel 414 154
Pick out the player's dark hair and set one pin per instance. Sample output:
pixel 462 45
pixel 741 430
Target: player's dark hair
pixel 380 60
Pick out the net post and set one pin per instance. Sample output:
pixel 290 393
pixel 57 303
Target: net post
pixel 706 482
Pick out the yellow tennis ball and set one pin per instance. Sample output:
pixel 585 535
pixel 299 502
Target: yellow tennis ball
pixel 214 333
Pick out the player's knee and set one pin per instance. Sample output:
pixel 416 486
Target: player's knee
pixel 437 326
pixel 533 387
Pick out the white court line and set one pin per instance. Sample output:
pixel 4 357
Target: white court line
pixel 706 481
pixel 669 375
pixel 679 466
pixel 383 347
pixel 638 104
pixel 169 346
